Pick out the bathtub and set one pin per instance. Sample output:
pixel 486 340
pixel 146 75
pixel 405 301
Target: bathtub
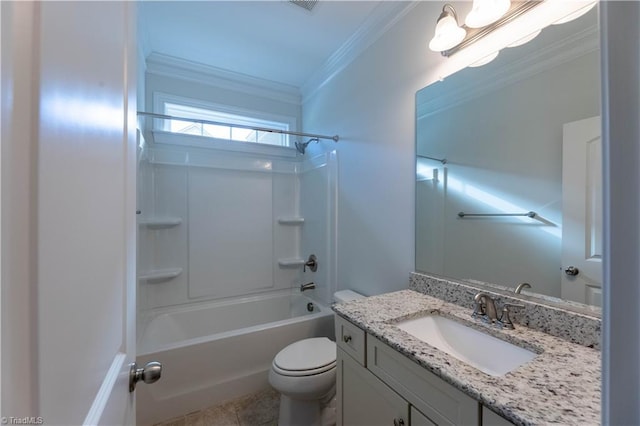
pixel 218 351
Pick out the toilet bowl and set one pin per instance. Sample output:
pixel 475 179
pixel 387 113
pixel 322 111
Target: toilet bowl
pixel 305 375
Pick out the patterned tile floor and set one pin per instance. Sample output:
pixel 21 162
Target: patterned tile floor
pixel 258 409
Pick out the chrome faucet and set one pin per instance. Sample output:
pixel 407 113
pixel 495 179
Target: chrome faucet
pixel 521 286
pixel 307 286
pixel 485 308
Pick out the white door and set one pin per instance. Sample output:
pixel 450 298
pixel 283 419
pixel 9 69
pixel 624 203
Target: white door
pixel 582 212
pixel 85 211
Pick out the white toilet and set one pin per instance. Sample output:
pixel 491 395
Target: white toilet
pixel 305 375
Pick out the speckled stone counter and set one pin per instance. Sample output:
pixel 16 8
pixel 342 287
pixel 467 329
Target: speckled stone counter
pixel 560 386
pixel 579 324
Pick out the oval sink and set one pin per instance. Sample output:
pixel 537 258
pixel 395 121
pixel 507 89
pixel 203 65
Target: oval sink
pixel 480 350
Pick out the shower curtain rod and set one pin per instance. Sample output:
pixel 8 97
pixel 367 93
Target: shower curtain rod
pixel 240 126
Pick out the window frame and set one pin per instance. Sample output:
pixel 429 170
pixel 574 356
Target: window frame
pixel 168 137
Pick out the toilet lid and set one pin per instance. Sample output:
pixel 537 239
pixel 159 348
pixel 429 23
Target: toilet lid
pixel 316 354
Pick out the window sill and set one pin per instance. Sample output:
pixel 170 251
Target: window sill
pixel 169 138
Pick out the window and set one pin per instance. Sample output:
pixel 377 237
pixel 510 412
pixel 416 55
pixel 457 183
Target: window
pixel 226 116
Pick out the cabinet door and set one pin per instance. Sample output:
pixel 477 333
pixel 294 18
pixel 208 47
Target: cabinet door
pixel 489 418
pixel 363 400
pixel 419 419
pixel 441 402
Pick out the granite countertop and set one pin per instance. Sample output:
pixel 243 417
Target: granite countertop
pixel 561 385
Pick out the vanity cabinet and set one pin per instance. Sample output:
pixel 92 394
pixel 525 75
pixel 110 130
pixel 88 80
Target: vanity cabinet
pixel 377 385
pixel 489 418
pixel 364 400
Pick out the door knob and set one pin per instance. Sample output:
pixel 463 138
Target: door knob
pixel 572 271
pixel 150 373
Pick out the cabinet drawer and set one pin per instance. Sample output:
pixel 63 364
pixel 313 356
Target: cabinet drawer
pixel 351 339
pixel 439 401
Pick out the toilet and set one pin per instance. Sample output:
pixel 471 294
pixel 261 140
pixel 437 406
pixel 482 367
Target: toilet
pixel 305 375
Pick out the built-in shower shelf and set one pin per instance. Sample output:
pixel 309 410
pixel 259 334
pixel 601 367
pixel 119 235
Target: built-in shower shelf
pixel 160 222
pixel 159 275
pixel 291 220
pixel 290 262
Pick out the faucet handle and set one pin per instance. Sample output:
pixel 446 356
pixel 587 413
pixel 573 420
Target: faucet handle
pixel 478 309
pixel 312 263
pixel 505 320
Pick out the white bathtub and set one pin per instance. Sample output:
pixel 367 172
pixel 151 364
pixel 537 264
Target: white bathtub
pixel 219 351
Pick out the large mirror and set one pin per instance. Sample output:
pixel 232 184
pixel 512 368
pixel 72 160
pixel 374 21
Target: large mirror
pixel 517 195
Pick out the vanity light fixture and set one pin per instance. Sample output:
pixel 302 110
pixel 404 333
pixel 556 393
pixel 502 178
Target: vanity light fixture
pixel 448 33
pixel 486 12
pixel 485 17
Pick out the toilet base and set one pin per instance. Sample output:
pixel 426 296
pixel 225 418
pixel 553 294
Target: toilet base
pixel 307 413
pixel 298 412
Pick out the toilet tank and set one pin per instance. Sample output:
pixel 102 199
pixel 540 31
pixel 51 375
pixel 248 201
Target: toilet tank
pixel 346 296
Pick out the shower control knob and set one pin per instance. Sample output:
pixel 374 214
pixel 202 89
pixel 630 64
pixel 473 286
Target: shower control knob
pixel 312 264
pixel 346 338
pixel 398 422
pixel 572 271
pixel 150 373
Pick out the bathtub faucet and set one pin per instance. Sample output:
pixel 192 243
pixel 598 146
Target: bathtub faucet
pixel 308 286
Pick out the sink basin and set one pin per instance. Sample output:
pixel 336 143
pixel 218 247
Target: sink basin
pixel 482 351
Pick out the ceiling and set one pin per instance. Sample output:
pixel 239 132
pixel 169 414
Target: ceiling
pixel 273 40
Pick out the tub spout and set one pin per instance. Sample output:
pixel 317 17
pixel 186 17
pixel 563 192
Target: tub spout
pixel 308 286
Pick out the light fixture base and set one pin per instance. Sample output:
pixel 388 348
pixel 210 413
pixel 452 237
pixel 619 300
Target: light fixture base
pixel 474 34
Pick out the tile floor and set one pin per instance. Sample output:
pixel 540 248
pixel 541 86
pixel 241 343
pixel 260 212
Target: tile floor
pixel 258 409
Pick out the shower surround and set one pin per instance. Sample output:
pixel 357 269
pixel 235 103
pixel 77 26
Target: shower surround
pixel 223 231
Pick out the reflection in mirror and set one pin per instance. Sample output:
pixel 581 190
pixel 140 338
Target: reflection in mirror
pixel 519 135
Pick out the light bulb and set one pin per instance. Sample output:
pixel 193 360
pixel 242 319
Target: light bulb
pixel 485 12
pixel 448 34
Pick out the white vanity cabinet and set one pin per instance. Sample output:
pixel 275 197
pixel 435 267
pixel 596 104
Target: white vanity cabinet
pixel 489 418
pixel 377 385
pixel 364 400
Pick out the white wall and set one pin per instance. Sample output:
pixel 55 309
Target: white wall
pixel 370 104
pixel 19 109
pixel 178 77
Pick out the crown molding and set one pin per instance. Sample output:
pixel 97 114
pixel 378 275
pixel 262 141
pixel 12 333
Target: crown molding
pixel 543 59
pixel 170 66
pixel 382 18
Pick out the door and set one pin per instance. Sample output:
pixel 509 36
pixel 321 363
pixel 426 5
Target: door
pixel 85 211
pixel 582 212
